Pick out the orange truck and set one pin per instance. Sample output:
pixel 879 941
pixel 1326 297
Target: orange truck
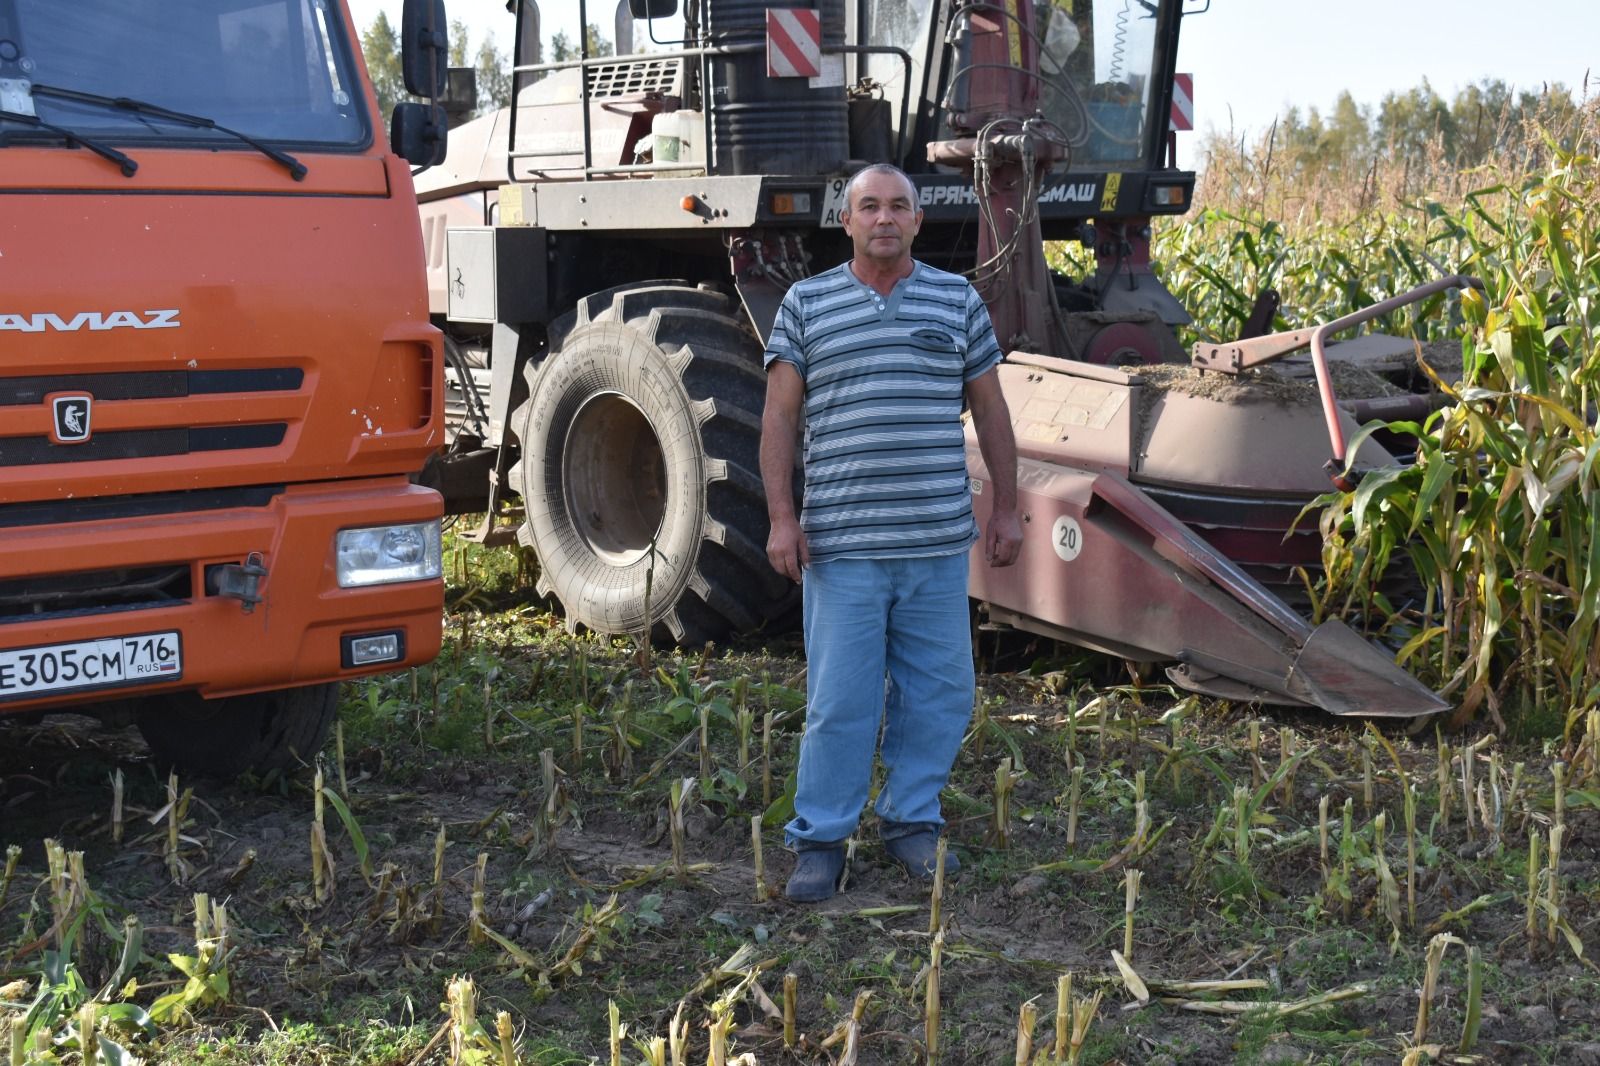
pixel 217 373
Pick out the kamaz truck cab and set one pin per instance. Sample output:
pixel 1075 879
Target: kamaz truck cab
pixel 217 372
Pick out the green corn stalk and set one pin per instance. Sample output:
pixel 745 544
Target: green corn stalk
pixel 1322 835
pixel 930 1008
pixel 678 1036
pixel 1366 773
pixel 936 899
pixel 791 989
pixel 1257 771
pixel 744 720
pixel 477 920
pixel 1532 898
pixel 1004 781
pixel 1442 779
pixel 88 1044
pixel 1241 824
pixel 1411 855
pixel 1027 1021
pixel 1474 1009
pixel 1083 1012
pixel 1130 902
pixel 436 919
pixel 678 795
pixel 1430 982
pixel 1388 894
pixel 766 760
pixel 1063 1041
pixel 1558 773
pixel 1552 882
pixel 1347 851
pixel 755 847
pixel 321 863
pixel 13 856
pixel 1074 796
pixel 116 808
pixel 1286 764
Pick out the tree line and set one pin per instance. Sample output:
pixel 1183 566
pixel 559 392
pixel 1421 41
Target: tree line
pixel 380 44
pixel 1417 132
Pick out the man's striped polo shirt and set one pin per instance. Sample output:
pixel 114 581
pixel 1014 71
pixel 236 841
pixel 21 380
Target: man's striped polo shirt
pixel 885 455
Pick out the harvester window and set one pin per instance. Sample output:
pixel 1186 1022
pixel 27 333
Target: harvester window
pixel 278 70
pixel 1096 64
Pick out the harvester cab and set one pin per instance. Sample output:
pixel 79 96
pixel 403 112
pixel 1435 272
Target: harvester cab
pixel 710 145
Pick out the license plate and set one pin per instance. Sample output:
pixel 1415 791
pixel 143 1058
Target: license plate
pixel 833 203
pixel 89 664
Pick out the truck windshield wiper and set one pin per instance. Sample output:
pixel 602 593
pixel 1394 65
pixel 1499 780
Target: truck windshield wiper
pixel 127 165
pixel 297 169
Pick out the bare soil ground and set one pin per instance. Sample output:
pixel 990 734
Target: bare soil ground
pixel 359 977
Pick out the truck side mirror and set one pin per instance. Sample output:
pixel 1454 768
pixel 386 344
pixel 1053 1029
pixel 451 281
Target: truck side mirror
pixel 424 47
pixel 418 132
pixel 653 9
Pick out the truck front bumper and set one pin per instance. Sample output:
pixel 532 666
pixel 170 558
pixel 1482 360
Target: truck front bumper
pixel 86 584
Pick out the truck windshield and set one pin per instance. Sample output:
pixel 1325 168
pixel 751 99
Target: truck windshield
pixel 277 70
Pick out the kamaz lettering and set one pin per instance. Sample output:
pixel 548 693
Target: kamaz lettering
pixel 94 320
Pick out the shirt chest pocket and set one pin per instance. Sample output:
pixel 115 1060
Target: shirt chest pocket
pixel 936 342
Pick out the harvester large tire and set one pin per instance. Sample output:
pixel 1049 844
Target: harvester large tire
pixel 280 730
pixel 639 466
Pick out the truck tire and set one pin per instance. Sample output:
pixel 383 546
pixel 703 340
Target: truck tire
pixel 639 468
pixel 263 731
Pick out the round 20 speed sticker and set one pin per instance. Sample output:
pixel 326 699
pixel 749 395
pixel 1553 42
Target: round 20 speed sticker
pixel 1066 536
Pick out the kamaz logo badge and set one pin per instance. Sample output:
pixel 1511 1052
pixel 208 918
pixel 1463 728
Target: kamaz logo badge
pixel 1069 192
pixel 91 320
pixel 70 417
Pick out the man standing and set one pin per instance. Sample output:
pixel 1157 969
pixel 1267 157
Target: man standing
pixel 874 359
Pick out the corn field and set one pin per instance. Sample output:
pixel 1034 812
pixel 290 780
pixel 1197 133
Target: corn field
pixel 1497 514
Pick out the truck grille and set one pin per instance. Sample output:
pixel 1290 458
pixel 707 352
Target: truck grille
pixel 149 385
pixel 139 443
pixel 146 385
pixel 93 591
pixel 110 508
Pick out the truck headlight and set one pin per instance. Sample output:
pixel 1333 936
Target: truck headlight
pixel 381 555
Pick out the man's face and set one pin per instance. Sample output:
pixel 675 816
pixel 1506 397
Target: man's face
pixel 883 218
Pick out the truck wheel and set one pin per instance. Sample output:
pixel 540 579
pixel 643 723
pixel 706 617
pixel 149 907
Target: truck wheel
pixel 640 469
pixel 263 731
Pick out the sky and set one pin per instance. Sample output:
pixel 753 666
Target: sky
pixel 1253 58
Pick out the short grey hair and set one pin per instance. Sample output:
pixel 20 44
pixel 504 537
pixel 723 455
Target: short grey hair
pixel 876 168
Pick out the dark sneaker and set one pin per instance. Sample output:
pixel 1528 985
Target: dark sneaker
pixel 816 876
pixel 919 853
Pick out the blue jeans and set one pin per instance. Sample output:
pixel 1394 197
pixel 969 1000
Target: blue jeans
pixel 865 619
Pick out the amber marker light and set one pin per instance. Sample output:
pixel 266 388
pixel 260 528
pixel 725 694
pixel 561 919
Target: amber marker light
pixel 689 204
pixel 791 203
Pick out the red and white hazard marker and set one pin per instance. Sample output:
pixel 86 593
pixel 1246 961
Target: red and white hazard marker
pixel 794 42
pixel 1182 102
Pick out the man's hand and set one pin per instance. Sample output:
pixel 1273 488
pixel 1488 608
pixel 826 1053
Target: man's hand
pixel 1002 540
pixel 786 549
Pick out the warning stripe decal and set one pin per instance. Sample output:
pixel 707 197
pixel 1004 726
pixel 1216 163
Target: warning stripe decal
pixel 794 43
pixel 1182 102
